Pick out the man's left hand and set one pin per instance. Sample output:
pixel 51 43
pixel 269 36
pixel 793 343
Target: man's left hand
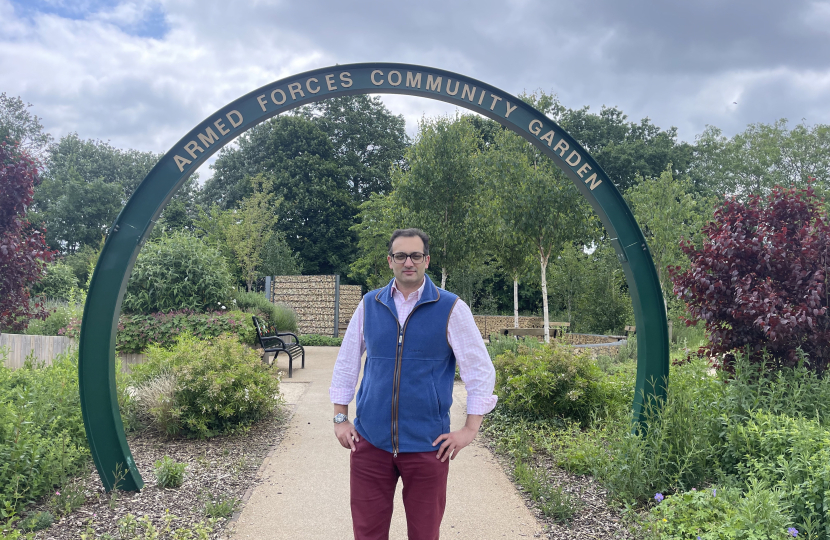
pixel 454 442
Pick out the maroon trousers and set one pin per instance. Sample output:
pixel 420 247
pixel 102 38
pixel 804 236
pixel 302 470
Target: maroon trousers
pixel 374 476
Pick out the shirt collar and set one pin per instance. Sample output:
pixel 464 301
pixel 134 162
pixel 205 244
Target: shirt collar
pixel 418 292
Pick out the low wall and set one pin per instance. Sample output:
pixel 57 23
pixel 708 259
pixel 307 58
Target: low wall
pixel 490 324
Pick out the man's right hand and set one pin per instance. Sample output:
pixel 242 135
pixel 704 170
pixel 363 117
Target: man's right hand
pixel 346 434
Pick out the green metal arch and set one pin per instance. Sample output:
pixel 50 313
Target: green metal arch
pixel 99 402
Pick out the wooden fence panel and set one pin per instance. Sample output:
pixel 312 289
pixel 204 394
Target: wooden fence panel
pixel 18 347
pixel 43 348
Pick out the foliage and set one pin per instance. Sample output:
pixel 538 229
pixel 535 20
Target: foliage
pixel 132 528
pixel 629 152
pixel 550 381
pixel 678 444
pixel 317 206
pixel 553 501
pixel 759 158
pixel 667 210
pixel 278 259
pixel 602 303
pixel 379 217
pixel 57 283
pixel 61 315
pixel 19 126
pixel 169 474
pixel 441 190
pixel 42 437
pixel 722 513
pixel 368 140
pixel 221 506
pixel 500 344
pixel 549 212
pixel 317 340
pixel 759 280
pixel 154 393
pixel 221 387
pixel 249 228
pixel 36 521
pixel 280 316
pixel 23 250
pixel 67 498
pixel 178 271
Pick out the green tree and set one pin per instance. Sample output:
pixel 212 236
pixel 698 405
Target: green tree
pixel 249 228
pixel 441 190
pixel 378 219
pixel 85 186
pixel 58 283
pixel 667 211
pixel 368 141
pixel 504 165
pixel 278 259
pixel 20 126
pixel 603 304
pixel 759 158
pixel 365 142
pixel 317 209
pixel 568 273
pixel 628 152
pixel 551 212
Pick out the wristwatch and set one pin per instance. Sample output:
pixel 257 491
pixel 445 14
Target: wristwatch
pixel 340 418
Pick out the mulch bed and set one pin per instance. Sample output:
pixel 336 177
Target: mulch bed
pixel 220 467
pixel 595 519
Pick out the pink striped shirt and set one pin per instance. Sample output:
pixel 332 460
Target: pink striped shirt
pixel 464 338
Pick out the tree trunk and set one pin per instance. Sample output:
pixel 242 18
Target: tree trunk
pixel 515 303
pixel 443 278
pixel 543 261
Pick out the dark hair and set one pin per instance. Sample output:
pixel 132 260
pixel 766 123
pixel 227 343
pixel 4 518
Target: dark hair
pixel 409 233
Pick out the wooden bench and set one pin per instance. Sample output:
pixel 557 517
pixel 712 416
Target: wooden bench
pixel 630 330
pixel 556 330
pixel 273 341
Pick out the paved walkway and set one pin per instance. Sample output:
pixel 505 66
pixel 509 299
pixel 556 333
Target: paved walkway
pixel 305 489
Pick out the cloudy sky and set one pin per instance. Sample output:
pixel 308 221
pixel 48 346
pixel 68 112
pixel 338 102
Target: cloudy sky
pixel 142 73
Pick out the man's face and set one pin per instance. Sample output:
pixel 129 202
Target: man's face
pixel 408 274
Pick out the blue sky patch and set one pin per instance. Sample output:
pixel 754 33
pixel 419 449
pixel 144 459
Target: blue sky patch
pixel 153 24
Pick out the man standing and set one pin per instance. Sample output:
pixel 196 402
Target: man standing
pixel 413 333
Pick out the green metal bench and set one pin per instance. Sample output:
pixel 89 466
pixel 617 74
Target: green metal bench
pixel 273 341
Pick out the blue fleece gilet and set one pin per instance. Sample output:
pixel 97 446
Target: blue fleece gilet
pixel 427 370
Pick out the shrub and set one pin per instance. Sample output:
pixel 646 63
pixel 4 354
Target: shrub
pixel 500 344
pixel 58 283
pixel 42 437
pixel 789 454
pixel 176 272
pixel 60 317
pixel 221 387
pixel 316 340
pixel 155 400
pixel 279 316
pixel 137 332
pixel 221 506
pixel 679 447
pixel 36 521
pixel 722 512
pixel 68 498
pixel 549 381
pixel 759 279
pixel 169 474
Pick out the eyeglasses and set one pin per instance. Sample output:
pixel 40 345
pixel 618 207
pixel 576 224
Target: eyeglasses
pixel 400 257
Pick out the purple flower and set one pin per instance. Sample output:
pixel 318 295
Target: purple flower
pixel 658 497
pixel 793 531
pixel 715 492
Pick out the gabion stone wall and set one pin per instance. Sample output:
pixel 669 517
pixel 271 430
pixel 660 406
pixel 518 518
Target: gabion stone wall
pixel 350 296
pixel 489 324
pixel 313 298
